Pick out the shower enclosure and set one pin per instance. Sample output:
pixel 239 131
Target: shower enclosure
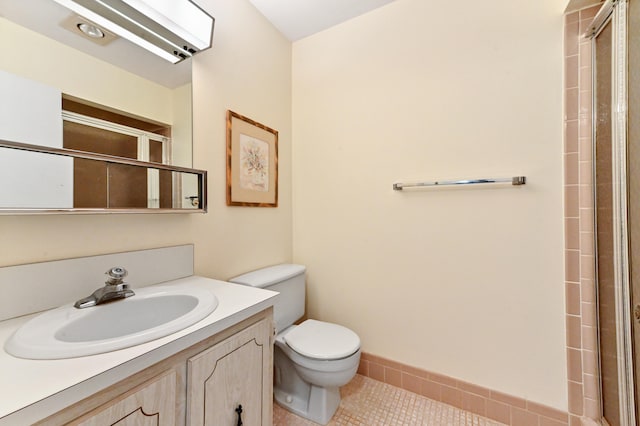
pixel 616 103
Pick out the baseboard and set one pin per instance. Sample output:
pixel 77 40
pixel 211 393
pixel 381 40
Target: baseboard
pixel 495 405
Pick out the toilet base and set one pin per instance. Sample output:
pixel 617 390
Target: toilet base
pixel 316 403
pixel 319 407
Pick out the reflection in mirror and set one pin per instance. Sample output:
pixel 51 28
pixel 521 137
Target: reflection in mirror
pixel 94 129
pixel 68 90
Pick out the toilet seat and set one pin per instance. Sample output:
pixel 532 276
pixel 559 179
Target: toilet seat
pixel 322 340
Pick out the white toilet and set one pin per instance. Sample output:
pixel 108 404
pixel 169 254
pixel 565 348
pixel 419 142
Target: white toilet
pixel 313 359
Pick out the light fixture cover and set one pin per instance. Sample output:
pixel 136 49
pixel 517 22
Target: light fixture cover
pixel 90 30
pixel 172 29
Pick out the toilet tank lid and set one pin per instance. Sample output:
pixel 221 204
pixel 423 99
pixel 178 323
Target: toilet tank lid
pixel 268 276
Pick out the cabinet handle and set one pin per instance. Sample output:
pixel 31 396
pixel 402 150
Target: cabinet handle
pixel 239 411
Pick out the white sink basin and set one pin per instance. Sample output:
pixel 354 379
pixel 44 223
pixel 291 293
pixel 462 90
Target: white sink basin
pixel 154 312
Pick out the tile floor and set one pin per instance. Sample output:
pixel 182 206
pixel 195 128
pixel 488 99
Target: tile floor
pixel 368 402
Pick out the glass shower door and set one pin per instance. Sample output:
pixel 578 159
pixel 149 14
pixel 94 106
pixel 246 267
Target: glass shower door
pixel 616 205
pixel 633 182
pixel 604 227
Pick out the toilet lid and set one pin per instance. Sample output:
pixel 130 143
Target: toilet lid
pixel 322 340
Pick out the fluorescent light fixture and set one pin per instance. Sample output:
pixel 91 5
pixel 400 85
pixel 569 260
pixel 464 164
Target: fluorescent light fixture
pixel 172 29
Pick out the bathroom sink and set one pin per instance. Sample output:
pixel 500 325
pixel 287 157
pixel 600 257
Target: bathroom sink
pixel 154 312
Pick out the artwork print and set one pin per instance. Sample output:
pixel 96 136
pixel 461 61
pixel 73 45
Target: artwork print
pixel 254 164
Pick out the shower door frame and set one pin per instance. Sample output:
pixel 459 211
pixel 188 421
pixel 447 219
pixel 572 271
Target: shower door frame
pixel 614 12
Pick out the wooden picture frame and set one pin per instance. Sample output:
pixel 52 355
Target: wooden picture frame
pixel 252 163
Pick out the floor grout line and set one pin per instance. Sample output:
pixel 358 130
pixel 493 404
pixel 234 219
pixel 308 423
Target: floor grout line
pixel 368 402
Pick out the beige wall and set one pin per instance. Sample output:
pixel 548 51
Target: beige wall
pixel 466 282
pixel 249 70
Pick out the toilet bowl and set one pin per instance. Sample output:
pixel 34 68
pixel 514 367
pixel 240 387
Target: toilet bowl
pixel 313 359
pixel 309 385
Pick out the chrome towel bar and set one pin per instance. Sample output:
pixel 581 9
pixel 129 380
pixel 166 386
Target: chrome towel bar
pixel 516 180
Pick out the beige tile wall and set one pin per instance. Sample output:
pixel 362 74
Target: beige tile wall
pixel 582 358
pixel 495 405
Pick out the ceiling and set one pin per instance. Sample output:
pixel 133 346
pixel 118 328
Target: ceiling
pixel 295 19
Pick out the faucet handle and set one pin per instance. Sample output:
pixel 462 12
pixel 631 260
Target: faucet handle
pixel 116 275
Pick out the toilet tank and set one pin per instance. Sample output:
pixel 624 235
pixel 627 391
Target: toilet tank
pixel 289 281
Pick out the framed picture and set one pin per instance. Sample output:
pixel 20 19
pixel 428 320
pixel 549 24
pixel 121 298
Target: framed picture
pixel 252 163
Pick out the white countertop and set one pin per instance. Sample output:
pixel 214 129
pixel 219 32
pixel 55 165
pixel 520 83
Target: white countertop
pixel 34 389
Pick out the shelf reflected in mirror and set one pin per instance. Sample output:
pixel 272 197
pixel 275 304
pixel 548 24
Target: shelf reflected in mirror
pixel 41 179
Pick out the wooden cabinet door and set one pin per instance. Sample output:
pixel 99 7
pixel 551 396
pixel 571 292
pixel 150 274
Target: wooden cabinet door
pixel 151 404
pixel 235 372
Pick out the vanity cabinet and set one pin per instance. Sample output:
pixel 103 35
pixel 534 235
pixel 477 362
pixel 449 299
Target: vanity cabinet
pixel 228 382
pixel 201 385
pixel 150 404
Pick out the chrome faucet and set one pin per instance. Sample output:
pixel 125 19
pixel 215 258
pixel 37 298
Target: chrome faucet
pixel 114 288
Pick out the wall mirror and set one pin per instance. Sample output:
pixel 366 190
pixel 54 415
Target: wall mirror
pixel 91 127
